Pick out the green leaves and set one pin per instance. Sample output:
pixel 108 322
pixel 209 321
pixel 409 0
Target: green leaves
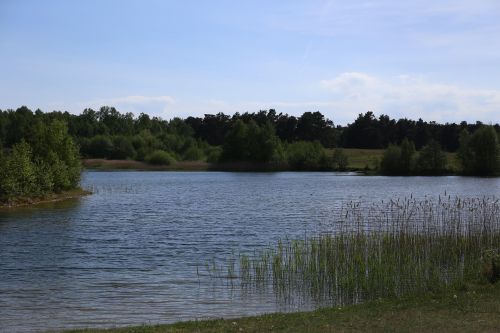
pixel 479 153
pixel 47 161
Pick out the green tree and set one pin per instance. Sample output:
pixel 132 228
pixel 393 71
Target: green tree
pixel 306 155
pixel 160 157
pixel 340 159
pixel 252 143
pixel 484 145
pixel 431 159
pixel 479 153
pixel 44 177
pixel 391 161
pixel 235 143
pixel 122 148
pixel 18 173
pixel 100 146
pixel 465 154
pixel 407 153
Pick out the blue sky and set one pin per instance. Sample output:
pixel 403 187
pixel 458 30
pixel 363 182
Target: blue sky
pixel 438 60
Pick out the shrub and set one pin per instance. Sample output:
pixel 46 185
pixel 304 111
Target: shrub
pixel 214 154
pixel 391 161
pixel 193 154
pixel 431 160
pixel 340 160
pixel 160 157
pixel 100 146
pixel 398 160
pixel 18 173
pixel 305 155
pixel 122 148
pixel 479 153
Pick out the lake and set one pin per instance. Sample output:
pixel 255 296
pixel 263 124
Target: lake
pixel 136 250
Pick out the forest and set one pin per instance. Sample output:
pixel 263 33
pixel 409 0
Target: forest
pixel 40 152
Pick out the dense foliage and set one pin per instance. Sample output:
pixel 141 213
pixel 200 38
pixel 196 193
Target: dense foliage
pixel 370 132
pixel 405 160
pixel 479 153
pixel 264 137
pixel 45 160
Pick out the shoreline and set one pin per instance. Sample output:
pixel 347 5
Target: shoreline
pixel 53 197
pixel 132 165
pixel 102 164
pixel 471 308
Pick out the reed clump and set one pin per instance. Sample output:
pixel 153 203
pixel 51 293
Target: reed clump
pixel 393 249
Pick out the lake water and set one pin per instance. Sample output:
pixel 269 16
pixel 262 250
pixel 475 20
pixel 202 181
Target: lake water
pixel 135 251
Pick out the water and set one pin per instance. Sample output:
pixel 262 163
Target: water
pixel 135 251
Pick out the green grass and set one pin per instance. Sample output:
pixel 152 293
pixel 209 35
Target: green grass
pixel 473 309
pixel 359 159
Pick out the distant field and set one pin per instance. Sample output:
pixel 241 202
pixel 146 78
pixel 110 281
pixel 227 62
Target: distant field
pixel 361 158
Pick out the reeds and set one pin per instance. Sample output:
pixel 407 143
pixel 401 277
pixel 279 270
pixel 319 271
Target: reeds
pixel 396 248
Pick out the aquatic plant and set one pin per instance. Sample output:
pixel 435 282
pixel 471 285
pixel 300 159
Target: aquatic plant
pixel 393 249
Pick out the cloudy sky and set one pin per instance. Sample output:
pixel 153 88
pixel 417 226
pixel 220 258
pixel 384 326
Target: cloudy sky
pixel 434 59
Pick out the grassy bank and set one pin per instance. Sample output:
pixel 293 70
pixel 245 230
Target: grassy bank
pixel 369 159
pixel 473 309
pixel 103 164
pixel 53 197
pixel 359 160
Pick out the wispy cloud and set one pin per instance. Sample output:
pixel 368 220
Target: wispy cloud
pixel 153 105
pixel 334 17
pixel 138 99
pixel 410 96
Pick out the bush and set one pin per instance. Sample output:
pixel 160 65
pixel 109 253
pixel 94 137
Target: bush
pixel 213 154
pixel 398 160
pixel 48 161
pixel 193 154
pixel 249 142
pixel 18 173
pixel 340 160
pixel 160 157
pixel 305 155
pixel 431 160
pixel 122 149
pixel 407 153
pixel 100 146
pixel 44 177
pixel 391 161
pixel 479 153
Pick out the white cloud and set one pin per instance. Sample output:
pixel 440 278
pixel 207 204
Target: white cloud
pixel 345 96
pixel 137 99
pixel 341 99
pixel 152 105
pixel 412 97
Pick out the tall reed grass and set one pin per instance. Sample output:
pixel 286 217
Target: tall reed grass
pixel 391 249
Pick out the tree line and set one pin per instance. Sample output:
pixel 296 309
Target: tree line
pixel 265 136
pixel 478 154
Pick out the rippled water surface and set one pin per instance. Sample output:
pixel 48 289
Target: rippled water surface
pixel 135 251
